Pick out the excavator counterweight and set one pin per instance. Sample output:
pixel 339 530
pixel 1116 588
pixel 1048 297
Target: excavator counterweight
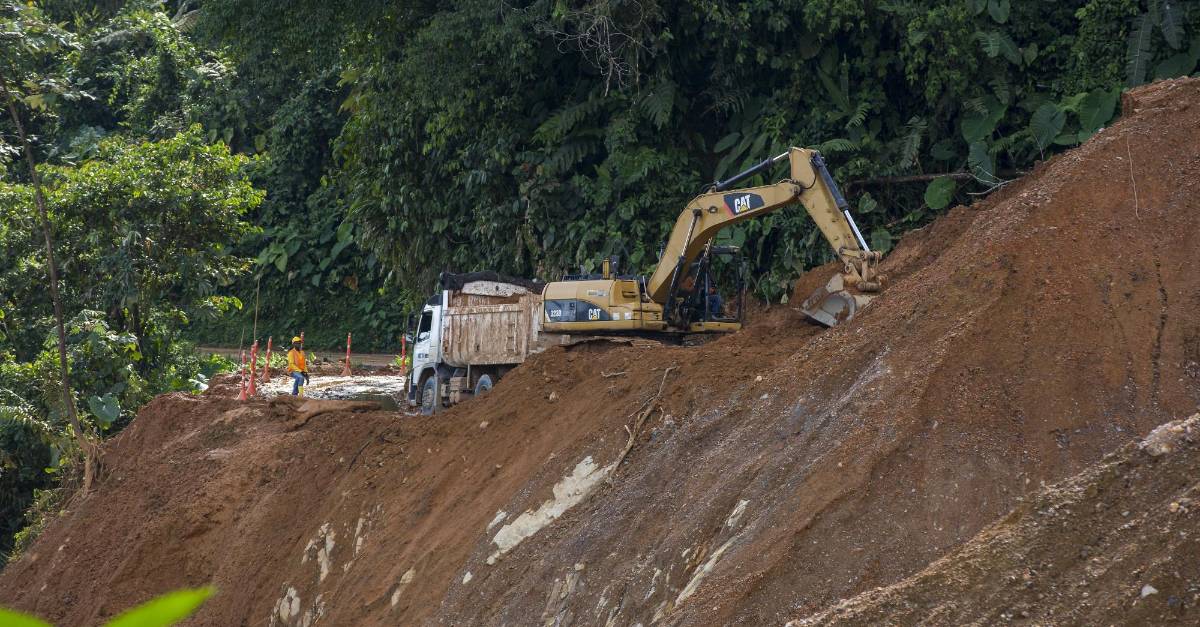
pixel 668 301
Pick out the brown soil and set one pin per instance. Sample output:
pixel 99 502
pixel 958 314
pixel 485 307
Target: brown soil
pixel 1017 342
pixel 1116 541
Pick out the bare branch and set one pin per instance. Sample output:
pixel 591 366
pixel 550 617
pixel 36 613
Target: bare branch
pixel 594 33
pixel 881 181
pixel 647 408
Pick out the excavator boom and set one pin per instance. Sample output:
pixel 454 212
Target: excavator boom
pixel 808 183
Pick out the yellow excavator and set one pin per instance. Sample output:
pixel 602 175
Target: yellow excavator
pixel 680 298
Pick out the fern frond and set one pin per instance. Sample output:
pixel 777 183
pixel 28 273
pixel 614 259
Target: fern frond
pixel 14 410
pixel 839 144
pixel 910 142
pixel 569 153
pixel 990 41
pixel 563 121
pixel 977 104
pixel 859 117
pixel 659 103
pixel 1002 89
pixel 1008 143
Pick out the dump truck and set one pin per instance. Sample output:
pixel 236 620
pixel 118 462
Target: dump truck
pixel 471 332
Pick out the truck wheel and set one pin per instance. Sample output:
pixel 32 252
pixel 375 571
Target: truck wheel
pixel 429 396
pixel 483 385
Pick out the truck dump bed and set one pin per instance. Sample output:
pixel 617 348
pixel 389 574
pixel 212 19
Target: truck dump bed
pixel 490 323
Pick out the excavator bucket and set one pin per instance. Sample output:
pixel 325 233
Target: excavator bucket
pixel 834 303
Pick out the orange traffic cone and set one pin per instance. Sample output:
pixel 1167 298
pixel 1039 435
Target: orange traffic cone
pixel 266 375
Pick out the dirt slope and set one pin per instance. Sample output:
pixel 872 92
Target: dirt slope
pixel 1018 341
pixel 1118 541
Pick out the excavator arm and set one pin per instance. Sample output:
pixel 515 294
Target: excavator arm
pixel 809 184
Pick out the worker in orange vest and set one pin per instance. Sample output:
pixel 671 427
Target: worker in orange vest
pixel 297 366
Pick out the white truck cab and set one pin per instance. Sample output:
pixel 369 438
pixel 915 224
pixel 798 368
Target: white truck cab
pixel 426 352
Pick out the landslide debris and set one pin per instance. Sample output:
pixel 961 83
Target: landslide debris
pixel 783 468
pixel 1116 543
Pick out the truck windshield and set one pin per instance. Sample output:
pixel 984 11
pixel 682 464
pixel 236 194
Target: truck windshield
pixel 423 328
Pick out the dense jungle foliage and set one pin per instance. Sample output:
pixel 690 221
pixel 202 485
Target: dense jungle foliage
pixel 533 138
pixel 313 166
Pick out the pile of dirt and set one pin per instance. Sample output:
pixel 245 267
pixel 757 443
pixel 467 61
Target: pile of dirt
pixel 1118 540
pixel 780 470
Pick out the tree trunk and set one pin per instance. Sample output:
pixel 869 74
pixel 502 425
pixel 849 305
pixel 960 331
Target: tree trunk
pixel 85 443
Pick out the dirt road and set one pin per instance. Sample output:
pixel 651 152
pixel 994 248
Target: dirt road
pixel 367 360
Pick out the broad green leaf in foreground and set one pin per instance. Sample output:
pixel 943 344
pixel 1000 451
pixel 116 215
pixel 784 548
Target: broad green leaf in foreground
pixel 165 610
pixel 9 618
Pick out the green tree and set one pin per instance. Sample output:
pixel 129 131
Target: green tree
pixel 28 38
pixel 148 232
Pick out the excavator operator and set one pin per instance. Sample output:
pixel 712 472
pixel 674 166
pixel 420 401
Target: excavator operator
pixel 297 366
pixel 716 306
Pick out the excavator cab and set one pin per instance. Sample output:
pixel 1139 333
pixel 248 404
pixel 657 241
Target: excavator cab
pixel 704 304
